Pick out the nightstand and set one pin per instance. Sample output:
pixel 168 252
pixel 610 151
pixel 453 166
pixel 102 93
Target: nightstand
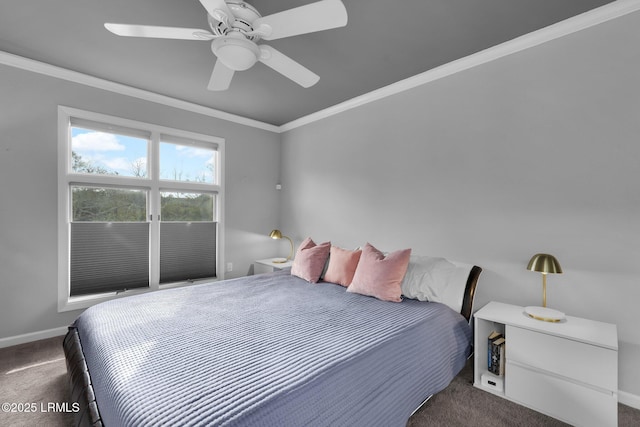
pixel 268 265
pixel 567 370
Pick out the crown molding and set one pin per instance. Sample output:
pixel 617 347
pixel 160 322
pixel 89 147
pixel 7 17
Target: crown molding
pixel 572 25
pixel 568 26
pixel 98 83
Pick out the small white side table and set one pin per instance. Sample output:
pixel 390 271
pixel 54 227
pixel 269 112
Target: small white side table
pixel 568 370
pixel 269 266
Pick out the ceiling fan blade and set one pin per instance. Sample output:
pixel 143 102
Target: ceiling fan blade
pixel 220 77
pixel 318 16
pixel 158 32
pixel 287 66
pixel 219 10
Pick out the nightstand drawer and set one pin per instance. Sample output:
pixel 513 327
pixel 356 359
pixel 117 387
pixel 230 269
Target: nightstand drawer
pixel 570 402
pixel 579 361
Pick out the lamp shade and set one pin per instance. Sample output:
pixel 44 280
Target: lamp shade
pixel 275 234
pixel 544 263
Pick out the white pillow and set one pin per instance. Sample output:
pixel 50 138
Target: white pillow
pixel 437 280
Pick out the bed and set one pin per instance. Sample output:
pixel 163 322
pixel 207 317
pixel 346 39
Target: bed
pixel 264 350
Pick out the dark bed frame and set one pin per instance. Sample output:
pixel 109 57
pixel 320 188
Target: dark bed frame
pixel 80 380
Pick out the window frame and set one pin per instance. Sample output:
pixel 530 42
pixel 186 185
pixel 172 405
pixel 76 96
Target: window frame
pixel 152 184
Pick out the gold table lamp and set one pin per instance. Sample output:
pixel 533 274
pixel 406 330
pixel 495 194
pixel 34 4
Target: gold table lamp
pixel 277 234
pixel 545 264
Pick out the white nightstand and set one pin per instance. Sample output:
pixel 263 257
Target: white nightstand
pixel 567 370
pixel 268 265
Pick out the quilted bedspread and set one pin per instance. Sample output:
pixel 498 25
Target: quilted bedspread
pixel 268 350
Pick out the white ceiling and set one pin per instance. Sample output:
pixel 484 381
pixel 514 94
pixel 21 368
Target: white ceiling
pixel 384 41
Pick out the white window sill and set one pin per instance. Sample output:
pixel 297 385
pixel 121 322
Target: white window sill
pixel 86 301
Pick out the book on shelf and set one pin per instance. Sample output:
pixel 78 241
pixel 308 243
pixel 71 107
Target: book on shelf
pixel 492 337
pixel 495 353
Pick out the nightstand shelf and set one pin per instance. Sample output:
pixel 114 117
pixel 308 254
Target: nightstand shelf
pixel 269 265
pixel 567 370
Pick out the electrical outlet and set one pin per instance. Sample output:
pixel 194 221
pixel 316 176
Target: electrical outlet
pixel 229 266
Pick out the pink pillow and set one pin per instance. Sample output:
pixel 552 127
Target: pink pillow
pixel 378 276
pixel 310 260
pixel 342 265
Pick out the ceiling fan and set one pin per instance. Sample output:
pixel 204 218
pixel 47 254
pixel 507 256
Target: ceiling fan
pixel 236 27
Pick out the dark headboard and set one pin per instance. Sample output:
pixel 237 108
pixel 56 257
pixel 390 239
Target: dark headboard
pixel 470 292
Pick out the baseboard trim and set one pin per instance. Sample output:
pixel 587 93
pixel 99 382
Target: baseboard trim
pixel 629 399
pixel 32 336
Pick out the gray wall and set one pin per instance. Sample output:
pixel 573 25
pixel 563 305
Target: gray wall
pixel 28 188
pixel 535 152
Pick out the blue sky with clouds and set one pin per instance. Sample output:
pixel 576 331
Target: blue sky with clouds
pixel 125 154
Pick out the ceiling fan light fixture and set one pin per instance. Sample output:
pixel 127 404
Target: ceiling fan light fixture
pixel 237 54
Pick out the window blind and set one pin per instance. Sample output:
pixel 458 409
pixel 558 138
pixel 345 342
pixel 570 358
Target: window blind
pixel 108 257
pixel 188 142
pixel 109 128
pixel 187 251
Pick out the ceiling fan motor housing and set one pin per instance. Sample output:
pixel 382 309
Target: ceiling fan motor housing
pixel 242 20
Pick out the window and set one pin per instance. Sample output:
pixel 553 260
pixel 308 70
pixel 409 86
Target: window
pixel 186 247
pixel 139 207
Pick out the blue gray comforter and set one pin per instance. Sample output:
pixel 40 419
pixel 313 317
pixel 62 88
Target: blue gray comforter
pixel 268 350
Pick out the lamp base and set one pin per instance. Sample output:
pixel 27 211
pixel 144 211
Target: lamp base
pixel 544 313
pixel 280 260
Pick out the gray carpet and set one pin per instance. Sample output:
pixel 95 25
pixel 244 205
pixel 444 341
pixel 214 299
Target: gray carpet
pixel 35 374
